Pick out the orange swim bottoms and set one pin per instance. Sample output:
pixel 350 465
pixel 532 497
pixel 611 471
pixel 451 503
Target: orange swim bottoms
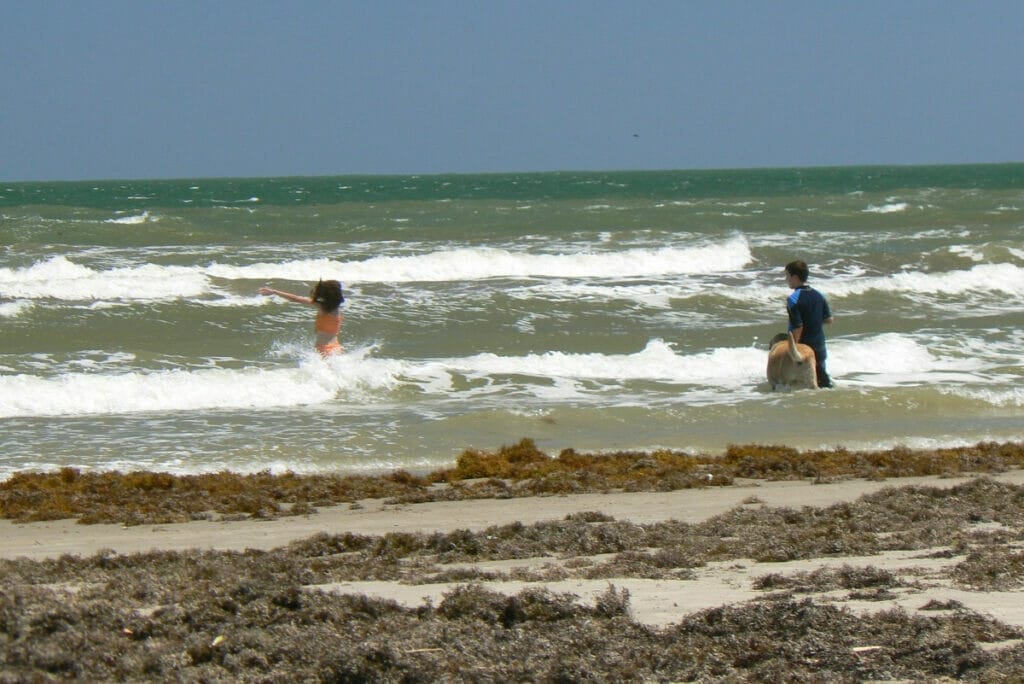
pixel 329 349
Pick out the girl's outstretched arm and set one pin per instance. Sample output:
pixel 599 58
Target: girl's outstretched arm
pixel 298 299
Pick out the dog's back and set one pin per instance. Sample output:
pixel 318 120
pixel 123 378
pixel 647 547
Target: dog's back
pixel 791 364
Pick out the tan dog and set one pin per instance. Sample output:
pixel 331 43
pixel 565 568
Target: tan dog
pixel 790 364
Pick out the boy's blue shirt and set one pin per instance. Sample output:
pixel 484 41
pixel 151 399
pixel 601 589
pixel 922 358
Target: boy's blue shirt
pixel 808 309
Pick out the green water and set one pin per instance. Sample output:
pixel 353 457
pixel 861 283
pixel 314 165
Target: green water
pixel 591 310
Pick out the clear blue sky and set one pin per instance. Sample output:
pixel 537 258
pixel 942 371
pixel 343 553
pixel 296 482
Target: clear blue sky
pixel 93 89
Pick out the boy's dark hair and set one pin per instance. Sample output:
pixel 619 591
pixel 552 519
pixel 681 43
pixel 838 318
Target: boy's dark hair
pixel 328 294
pixel 799 269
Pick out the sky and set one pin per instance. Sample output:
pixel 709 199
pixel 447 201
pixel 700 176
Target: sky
pixel 132 89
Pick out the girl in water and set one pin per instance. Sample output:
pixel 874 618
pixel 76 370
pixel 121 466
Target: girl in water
pixel 328 297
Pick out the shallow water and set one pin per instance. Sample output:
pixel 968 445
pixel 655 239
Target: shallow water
pixel 627 311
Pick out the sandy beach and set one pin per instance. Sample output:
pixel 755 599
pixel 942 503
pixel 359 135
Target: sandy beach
pixel 517 566
pixel 654 602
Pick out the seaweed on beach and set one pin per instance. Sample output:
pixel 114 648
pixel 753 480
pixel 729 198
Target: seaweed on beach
pixel 270 632
pixel 829 579
pixel 264 615
pixel 143 497
pixel 991 569
pixel 649 470
pixel 516 470
pixel 905 518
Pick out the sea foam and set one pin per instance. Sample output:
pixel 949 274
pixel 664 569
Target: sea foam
pixel 893 208
pixel 360 379
pixel 1012 397
pixel 76 394
pixel 656 362
pixel 14 309
pixel 59 278
pixel 483 263
pixel 133 220
pixel 357 377
pixel 893 359
pixel 992 278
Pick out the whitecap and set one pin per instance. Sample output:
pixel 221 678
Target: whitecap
pixel 656 362
pixel 133 220
pixel 313 381
pixel 995 278
pixel 893 208
pixel 467 263
pixel 892 359
pixel 60 278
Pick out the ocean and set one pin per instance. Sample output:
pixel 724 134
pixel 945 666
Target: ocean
pixel 594 311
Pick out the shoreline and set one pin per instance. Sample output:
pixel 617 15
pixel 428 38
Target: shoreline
pixel 508 472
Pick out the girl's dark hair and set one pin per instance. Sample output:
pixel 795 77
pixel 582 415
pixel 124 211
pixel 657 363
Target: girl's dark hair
pixel 327 293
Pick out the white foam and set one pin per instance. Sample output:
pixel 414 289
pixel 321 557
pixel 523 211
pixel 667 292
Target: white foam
pixel 968 252
pixel 463 264
pixel 656 362
pixel 357 377
pixel 314 381
pixel 996 278
pixel 1002 396
pixel 648 295
pixel 886 353
pixel 983 277
pixel 60 278
pixel 133 220
pixel 14 309
pixel 360 379
pixel 893 208
pixel 892 359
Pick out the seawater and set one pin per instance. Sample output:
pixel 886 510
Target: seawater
pixel 599 311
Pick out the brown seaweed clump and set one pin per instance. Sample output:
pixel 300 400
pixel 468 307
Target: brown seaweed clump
pixel 258 627
pixel 511 471
pixel 649 471
pixel 143 497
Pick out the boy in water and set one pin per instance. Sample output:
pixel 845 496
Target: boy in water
pixel 808 314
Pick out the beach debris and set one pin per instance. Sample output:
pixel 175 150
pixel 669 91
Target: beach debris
pixel 865 649
pixel 518 470
pixel 171 600
pixel 934 604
